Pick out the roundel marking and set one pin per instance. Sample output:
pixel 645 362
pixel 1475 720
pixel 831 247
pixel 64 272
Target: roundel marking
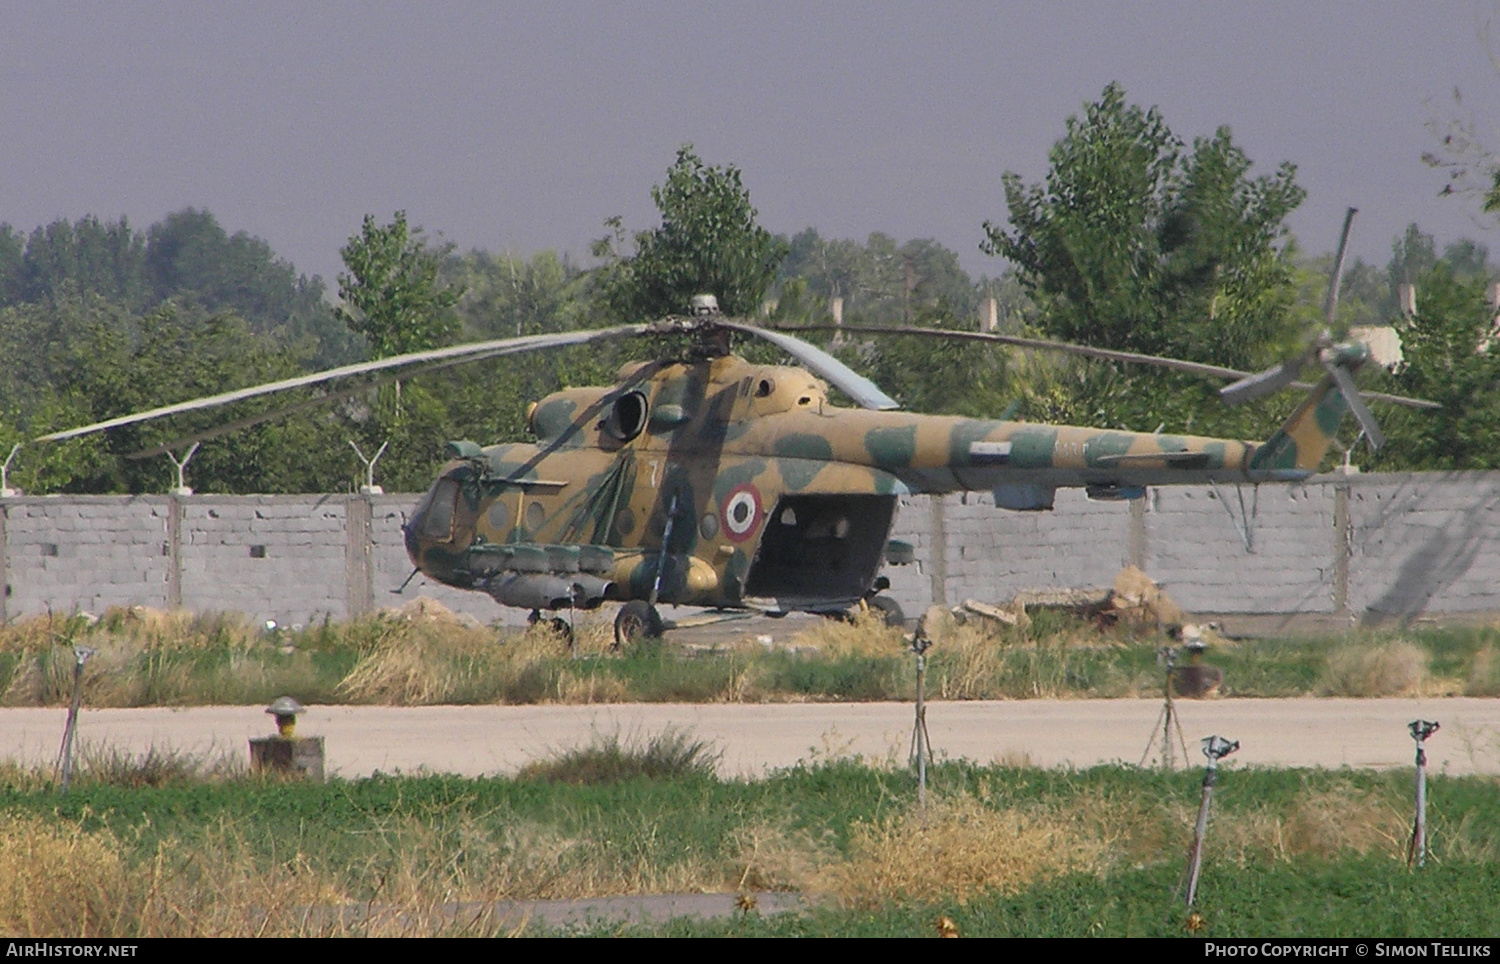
pixel 741 512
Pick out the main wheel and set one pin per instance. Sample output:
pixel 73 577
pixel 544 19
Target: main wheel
pixel 889 610
pixel 562 628
pixel 637 620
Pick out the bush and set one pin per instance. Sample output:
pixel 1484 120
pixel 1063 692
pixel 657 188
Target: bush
pixel 671 753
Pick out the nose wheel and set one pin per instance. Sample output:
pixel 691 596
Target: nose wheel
pixel 888 609
pixel 637 620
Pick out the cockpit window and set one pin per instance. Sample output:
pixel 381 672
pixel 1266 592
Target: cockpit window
pixel 627 416
pixel 437 524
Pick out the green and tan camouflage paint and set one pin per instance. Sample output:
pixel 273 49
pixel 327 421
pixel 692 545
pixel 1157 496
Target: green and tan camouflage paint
pixel 727 439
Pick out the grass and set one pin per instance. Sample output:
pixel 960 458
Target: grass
pixel 424 655
pixel 999 850
pixel 671 753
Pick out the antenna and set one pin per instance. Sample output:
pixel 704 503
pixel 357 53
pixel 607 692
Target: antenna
pixel 6 492
pixel 370 488
pixel 182 488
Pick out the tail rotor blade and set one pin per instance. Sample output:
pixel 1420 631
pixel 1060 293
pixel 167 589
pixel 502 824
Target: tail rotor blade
pixel 1357 407
pixel 1263 383
pixel 1331 305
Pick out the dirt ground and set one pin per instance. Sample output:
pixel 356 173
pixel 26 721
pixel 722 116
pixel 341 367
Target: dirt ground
pixel 475 740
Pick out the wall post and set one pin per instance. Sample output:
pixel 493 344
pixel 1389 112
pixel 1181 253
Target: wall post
pixel 359 578
pixel 1343 548
pixel 174 551
pixel 1135 540
pixel 4 565
pixel 938 554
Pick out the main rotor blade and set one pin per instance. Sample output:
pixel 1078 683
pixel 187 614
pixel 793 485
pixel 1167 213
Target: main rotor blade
pixel 1109 354
pixel 1104 354
pixel 1362 415
pixel 841 376
pixel 472 351
pixel 302 406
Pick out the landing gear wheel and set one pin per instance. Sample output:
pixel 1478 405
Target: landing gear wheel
pixel 563 628
pixel 889 610
pixel 637 620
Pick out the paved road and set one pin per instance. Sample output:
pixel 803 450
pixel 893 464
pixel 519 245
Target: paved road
pixel 756 738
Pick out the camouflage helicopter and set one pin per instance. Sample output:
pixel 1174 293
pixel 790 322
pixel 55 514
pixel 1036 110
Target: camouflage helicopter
pixel 713 482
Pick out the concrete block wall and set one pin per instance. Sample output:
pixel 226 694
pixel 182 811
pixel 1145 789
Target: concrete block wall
pixel 1194 549
pixel 85 553
pixel 1425 542
pixel 994 553
pixel 1343 548
pixel 275 557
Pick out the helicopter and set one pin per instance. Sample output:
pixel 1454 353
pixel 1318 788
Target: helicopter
pixel 706 480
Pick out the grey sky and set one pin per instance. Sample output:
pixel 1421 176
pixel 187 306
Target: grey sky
pixel 523 126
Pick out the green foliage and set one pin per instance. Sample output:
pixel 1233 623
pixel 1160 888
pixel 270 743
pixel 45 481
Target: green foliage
pixel 185 258
pixel 391 292
pixel 1290 852
pixel 190 257
pixel 1449 360
pixel 107 259
pixel 86 359
pixel 1133 243
pixel 214 659
pixel 670 754
pixel 708 243
pixel 510 296
pixel 880 281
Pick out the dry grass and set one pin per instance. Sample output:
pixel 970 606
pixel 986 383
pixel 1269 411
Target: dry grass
pixel 418 657
pixel 131 664
pixel 960 848
pixel 59 880
pixel 672 753
pixel 1337 821
pixel 424 655
pixel 1395 668
pixel 864 634
pixel 776 858
pixel 1484 677
pixel 971 659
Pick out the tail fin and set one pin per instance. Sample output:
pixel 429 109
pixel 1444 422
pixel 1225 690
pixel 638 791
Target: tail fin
pixel 1300 444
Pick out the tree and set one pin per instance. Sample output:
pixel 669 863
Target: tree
pixel 1134 243
pixel 708 243
pixel 391 293
pixel 880 282
pixel 1450 358
pixel 190 257
pixel 505 295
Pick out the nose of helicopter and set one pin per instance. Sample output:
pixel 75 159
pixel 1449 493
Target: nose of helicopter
pixel 412 528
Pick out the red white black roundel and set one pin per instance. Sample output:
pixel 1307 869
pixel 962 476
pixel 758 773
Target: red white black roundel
pixel 741 512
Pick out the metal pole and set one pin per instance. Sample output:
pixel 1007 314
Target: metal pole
pixel 921 743
pixel 1167 719
pixel 1416 854
pixel 80 656
pixel 1215 748
pixel 920 729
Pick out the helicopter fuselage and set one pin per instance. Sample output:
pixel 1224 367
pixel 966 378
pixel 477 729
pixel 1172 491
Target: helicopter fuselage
pixel 727 484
